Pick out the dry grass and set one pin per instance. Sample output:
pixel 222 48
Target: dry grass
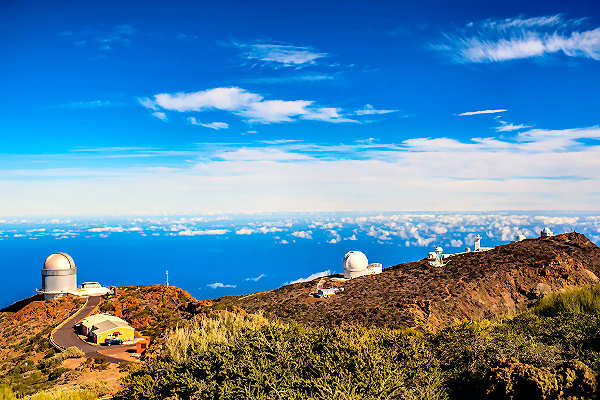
pixel 7 394
pixel 202 333
pixel 581 300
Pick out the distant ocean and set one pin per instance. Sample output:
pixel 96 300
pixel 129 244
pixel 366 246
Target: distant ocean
pixel 225 255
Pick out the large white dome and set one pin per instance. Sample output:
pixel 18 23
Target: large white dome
pixel 59 261
pixel 355 261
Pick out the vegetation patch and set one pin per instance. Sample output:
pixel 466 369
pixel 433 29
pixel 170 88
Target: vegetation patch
pixel 551 351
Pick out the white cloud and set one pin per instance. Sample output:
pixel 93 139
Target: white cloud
pixel 217 285
pixel 508 127
pixel 327 114
pixel 227 98
pixel 368 109
pixel 190 232
pixel 276 110
pixel 160 115
pixel 518 38
pixel 311 277
pixel 148 103
pixel 302 234
pixel 482 112
pixel 256 278
pixel 107 229
pixel 241 102
pixel 262 229
pixel 279 54
pixel 456 243
pixel 212 125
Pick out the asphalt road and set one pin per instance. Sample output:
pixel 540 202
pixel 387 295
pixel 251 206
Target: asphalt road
pixel 65 336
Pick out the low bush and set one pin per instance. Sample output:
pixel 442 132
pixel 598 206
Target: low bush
pixel 233 356
pixel 581 300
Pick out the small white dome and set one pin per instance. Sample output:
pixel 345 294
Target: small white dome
pixel 59 261
pixel 355 261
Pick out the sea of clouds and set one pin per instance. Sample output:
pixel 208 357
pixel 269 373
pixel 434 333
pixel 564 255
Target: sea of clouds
pixel 399 229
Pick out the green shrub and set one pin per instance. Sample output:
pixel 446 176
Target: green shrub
pixel 99 388
pixel 232 356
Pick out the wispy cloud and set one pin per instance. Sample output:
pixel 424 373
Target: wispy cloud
pixel 311 277
pixel 89 104
pixel 217 285
pixel 103 39
pixel 201 232
pixel 212 125
pixel 279 55
pixel 518 38
pixel 464 114
pixel 509 127
pixel 292 78
pixel 256 278
pixel 160 115
pixel 244 103
pixel 370 110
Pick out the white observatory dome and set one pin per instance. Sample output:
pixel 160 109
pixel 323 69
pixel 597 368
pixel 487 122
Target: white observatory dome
pixel 59 275
pixel 59 261
pixel 355 263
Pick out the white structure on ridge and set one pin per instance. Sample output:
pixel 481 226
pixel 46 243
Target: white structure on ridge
pixel 59 277
pixel 546 232
pixel 356 264
pixel 520 237
pixel 436 258
pixel 477 243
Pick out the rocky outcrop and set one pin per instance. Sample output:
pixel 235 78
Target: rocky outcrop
pixel 502 281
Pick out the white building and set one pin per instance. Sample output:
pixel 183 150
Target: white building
pixel 546 232
pixel 436 258
pixel 356 264
pixel 59 277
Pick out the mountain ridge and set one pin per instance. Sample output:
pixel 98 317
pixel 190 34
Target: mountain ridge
pixel 475 285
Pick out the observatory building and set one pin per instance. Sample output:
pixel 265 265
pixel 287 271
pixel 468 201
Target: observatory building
pixel 59 277
pixel 356 264
pixel 546 232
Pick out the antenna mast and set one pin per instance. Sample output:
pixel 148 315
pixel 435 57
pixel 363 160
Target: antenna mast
pixel 167 271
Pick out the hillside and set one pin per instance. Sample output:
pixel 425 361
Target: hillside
pixel 152 309
pixel 501 281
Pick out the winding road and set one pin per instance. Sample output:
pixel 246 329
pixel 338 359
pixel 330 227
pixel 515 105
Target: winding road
pixel 65 336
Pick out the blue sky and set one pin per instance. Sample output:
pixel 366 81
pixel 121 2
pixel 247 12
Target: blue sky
pixel 124 108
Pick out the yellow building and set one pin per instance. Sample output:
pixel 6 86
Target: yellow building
pixel 99 327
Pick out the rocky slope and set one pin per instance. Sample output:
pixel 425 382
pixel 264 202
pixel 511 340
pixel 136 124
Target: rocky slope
pixel 503 280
